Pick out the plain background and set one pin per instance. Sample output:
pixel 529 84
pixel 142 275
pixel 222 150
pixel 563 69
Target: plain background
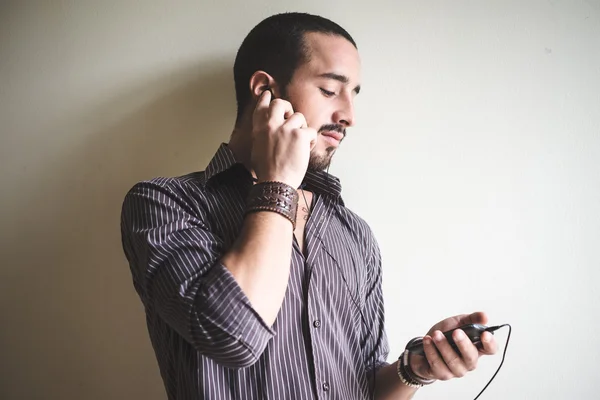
pixel 475 159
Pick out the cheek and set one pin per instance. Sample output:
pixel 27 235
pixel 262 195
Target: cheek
pixel 316 115
pixel 312 105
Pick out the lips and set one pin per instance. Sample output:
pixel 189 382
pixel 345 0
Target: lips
pixel 334 135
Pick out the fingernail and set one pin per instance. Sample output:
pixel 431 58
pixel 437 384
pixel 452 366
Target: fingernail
pixel 427 340
pixel 485 338
pixel 437 336
pixel 459 335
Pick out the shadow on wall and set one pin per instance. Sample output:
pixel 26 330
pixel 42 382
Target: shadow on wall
pixel 74 328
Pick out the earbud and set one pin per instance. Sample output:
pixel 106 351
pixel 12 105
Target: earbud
pixel 269 89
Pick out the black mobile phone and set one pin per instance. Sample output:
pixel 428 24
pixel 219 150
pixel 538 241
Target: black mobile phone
pixel 473 332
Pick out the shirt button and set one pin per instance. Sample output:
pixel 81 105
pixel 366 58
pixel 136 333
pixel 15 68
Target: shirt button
pixel 317 323
pixel 325 386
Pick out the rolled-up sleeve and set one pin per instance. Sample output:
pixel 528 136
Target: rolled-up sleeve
pixel 174 261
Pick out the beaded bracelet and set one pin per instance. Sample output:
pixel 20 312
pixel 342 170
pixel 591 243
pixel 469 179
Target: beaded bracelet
pixel 403 375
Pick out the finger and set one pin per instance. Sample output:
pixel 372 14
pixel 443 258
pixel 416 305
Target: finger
pixel 438 368
pixel 450 357
pixel 490 346
pixel 469 353
pixel 261 109
pixel 474 318
pixel 305 135
pixel 279 110
pixel 296 120
pixel 311 135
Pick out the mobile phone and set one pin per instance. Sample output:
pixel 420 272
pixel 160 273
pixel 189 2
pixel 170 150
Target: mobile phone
pixel 473 332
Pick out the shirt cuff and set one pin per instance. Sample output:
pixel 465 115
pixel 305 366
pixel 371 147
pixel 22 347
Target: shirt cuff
pixel 224 303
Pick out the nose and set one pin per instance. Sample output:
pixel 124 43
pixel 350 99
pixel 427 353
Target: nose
pixel 344 115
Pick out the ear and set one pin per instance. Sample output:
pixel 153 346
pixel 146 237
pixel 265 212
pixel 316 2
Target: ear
pixel 261 81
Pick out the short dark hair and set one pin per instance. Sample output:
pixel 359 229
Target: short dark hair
pixel 276 45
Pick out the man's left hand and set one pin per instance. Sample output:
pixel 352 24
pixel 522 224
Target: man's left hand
pixel 442 362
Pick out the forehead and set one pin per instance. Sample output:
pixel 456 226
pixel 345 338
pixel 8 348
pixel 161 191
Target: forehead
pixel 332 53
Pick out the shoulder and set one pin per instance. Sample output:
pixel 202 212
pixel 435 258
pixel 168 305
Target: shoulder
pixel 190 182
pixel 172 192
pixel 180 185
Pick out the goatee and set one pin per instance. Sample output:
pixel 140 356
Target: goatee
pixel 318 162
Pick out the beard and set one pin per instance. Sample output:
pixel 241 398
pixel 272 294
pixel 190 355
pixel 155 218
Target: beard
pixel 320 162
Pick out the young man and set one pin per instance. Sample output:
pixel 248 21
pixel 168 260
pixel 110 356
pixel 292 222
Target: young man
pixel 257 281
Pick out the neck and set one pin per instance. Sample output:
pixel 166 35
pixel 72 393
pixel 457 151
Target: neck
pixel 240 142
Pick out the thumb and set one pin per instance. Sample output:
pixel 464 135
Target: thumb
pixel 478 317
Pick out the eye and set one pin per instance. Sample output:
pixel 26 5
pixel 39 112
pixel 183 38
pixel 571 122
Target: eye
pixel 327 93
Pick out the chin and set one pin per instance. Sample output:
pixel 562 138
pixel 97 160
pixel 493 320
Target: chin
pixel 320 160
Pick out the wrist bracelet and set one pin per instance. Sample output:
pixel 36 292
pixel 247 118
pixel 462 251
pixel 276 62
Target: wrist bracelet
pixel 276 197
pixel 409 371
pixel 403 375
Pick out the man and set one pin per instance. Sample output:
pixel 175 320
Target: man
pixel 257 281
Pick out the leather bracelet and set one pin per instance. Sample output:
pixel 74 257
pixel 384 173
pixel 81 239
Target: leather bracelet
pixel 411 374
pixel 276 197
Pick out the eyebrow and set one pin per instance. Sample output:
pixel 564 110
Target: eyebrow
pixel 341 78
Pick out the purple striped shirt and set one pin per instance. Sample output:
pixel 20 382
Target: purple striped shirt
pixel 209 342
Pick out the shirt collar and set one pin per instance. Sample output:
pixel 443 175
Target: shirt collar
pixel 221 161
pixel 320 182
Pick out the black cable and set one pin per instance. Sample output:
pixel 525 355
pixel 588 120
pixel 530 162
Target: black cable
pixel 492 329
pixel 363 319
pixel 356 303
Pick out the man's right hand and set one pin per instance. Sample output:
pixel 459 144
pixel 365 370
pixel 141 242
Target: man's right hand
pixel 282 142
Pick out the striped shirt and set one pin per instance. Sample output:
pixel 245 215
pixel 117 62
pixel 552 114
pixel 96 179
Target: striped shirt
pixel 328 338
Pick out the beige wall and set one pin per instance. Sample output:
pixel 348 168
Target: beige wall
pixel 475 159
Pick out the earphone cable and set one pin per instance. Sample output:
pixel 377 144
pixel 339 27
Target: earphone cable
pixel 354 301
